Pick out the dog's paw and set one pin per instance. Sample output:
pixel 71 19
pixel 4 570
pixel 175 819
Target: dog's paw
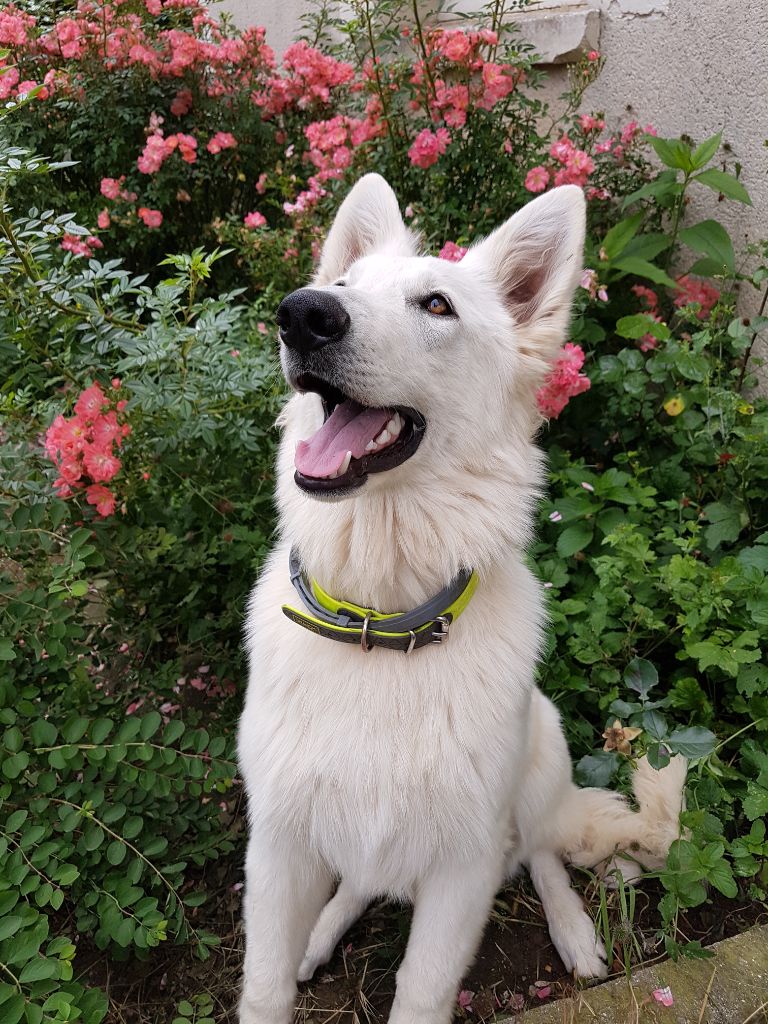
pixel 580 949
pixel 319 952
pixel 307 968
pixel 252 1012
pixel 630 872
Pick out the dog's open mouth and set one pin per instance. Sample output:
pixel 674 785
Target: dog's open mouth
pixel 354 440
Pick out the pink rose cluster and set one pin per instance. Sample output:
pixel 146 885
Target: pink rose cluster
pixel 573 165
pixel 428 147
pixel 576 165
pixel 81 245
pixel 310 76
pixel 158 148
pixel 221 141
pixel 113 188
pixel 452 252
pixel 118 37
pixel 563 382
pixel 331 142
pixel 650 300
pixel 691 289
pixel 254 219
pixel 483 83
pixel 84 447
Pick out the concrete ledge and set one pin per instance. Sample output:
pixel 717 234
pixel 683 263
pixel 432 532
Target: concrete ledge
pixel 729 988
pixel 560 34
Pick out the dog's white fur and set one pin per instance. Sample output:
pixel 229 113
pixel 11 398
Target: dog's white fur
pixel 427 777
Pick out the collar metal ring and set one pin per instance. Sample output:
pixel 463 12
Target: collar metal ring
pixel 364 635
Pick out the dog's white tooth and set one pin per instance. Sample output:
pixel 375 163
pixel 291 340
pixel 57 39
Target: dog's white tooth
pixel 394 426
pixel 370 446
pixel 345 464
pixel 383 437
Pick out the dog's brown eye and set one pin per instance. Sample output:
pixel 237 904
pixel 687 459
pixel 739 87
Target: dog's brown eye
pixel 437 305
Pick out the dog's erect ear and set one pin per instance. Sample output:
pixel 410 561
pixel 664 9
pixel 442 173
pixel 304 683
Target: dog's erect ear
pixel 536 259
pixel 368 221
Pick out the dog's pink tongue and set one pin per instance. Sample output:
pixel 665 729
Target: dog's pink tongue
pixel 349 428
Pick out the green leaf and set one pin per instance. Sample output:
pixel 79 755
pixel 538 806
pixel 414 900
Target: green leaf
pixel 704 153
pixel 721 876
pixel 655 724
pixel 573 539
pixel 75 728
pixel 713 240
pixel 658 755
pixel 693 741
pixel 642 268
pixel 43 733
pixel 756 801
pixel 116 852
pixel 13 1008
pixel 173 731
pixel 620 234
pixel 663 185
pixel 39 969
pixel 726 523
pixel 639 324
pixel 641 676
pixel 13 766
pixel 100 729
pixel 13 740
pixel 7 653
pixel 706 267
pixel 597 769
pixel 150 724
pixel 725 183
pixel 648 246
pixel 9 926
pixel 673 152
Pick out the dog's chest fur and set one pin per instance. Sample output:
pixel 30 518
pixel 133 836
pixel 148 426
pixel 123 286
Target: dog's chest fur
pixel 383 762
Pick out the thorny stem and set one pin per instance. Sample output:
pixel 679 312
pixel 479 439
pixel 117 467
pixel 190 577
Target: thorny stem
pixel 10 973
pixel 756 331
pixel 381 93
pixel 676 222
pixel 424 56
pixel 133 743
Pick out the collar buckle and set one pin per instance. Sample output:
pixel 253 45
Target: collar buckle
pixel 445 626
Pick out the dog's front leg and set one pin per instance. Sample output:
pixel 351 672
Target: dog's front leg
pixel 451 907
pixel 285 889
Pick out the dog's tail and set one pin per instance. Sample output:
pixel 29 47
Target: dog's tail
pixel 595 824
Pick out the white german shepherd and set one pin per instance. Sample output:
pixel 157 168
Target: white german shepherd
pixel 413 756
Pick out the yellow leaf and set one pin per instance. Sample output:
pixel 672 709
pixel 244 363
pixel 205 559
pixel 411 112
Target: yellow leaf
pixel 674 406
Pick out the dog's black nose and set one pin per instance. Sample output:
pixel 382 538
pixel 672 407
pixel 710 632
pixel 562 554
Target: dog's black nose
pixel 309 319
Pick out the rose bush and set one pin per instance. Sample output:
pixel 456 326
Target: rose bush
pixel 138 397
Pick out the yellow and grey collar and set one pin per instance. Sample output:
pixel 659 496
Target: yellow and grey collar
pixel 399 631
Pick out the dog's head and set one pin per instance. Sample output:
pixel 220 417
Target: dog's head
pixel 411 362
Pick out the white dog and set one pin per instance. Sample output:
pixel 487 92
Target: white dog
pixel 413 756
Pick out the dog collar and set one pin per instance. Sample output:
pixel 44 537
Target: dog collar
pixel 349 623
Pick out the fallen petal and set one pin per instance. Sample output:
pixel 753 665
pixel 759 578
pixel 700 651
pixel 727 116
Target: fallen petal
pixel 664 996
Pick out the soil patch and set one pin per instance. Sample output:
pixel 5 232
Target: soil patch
pixel 516 967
